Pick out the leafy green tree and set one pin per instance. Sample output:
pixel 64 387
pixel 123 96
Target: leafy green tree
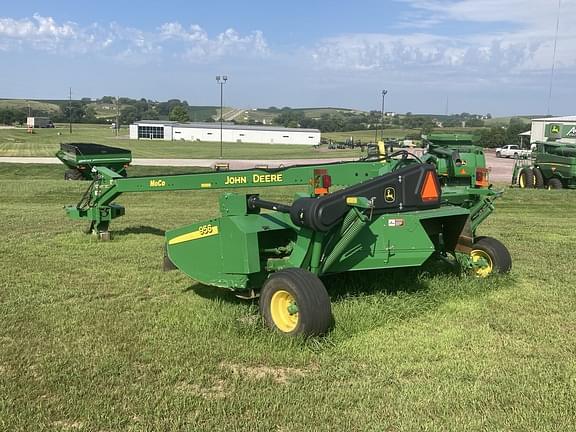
pixel 179 114
pixel 493 137
pixel 129 115
pixel 150 114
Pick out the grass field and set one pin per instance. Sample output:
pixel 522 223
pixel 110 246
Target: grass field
pixel 45 142
pixel 369 135
pixel 23 104
pixel 267 115
pixel 94 337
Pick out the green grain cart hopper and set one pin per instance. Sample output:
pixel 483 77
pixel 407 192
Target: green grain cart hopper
pixel 348 217
pixel 552 166
pixel 80 158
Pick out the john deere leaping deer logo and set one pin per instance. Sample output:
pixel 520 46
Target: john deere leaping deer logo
pixel 390 194
pixel 555 129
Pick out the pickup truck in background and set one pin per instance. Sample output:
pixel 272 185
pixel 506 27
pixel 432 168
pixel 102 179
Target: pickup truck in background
pixel 513 151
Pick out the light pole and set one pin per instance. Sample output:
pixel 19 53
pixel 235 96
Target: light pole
pixel 70 110
pixel 384 92
pixel 221 80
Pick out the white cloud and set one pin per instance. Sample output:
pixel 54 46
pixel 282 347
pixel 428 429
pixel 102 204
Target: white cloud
pixel 521 39
pixel 198 47
pixel 126 43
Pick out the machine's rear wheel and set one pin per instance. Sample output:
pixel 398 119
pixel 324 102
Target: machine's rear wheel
pixel 554 183
pixel 295 302
pixel 538 178
pixel 526 178
pixel 489 256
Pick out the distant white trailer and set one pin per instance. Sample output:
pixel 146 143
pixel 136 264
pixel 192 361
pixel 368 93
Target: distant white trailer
pixel 169 131
pixel 39 122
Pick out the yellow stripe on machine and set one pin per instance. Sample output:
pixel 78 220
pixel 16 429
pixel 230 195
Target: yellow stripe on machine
pixel 203 231
pixel 205 185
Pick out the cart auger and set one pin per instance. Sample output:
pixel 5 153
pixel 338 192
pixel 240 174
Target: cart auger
pixel 351 216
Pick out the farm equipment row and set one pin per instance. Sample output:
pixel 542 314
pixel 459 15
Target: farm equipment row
pixel 392 212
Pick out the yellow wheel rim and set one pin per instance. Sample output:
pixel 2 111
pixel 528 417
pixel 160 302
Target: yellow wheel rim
pixel 522 180
pixel 481 263
pixel 284 311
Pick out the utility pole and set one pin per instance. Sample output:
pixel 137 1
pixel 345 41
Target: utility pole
pixel 221 80
pixel 384 92
pixel 70 110
pixel 117 126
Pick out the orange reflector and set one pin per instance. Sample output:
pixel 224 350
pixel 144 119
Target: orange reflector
pixel 482 179
pixel 462 171
pixel 430 190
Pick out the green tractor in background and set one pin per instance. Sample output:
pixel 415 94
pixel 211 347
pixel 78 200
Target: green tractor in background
pixel 552 166
pixel 457 158
pixel 80 158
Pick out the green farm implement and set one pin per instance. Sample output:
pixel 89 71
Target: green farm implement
pixel 457 159
pixel 552 166
pixel 81 158
pixel 350 216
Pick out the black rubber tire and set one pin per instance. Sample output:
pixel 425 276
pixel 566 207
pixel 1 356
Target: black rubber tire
pixel 72 174
pixel 515 156
pixel 555 183
pixel 526 178
pixel 538 178
pixel 498 154
pixel 498 253
pixel 314 309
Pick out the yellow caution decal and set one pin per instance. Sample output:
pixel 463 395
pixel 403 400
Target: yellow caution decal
pixel 203 231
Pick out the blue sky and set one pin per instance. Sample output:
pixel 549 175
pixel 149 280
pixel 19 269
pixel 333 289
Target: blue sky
pixel 468 55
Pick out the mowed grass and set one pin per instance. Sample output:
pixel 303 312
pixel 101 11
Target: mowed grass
pixel 46 142
pixel 96 337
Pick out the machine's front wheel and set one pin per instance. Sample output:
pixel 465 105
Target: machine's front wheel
pixel 295 302
pixel 72 174
pixel 526 178
pixel 489 256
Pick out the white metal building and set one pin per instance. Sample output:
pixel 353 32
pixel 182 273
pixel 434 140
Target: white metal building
pixel 170 131
pixel 547 128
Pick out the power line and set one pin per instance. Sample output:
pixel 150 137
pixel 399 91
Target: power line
pixel 553 59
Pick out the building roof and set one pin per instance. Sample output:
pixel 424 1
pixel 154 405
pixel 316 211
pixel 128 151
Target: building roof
pixel 557 119
pixel 216 125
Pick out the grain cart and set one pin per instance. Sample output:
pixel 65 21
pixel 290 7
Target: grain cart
pixel 351 216
pixel 80 158
pixel 457 158
pixel 553 165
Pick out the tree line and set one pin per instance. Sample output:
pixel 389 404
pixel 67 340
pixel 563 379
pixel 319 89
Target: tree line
pixel 128 111
pixel 131 110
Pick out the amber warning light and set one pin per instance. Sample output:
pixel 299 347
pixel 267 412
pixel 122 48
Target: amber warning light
pixel 430 190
